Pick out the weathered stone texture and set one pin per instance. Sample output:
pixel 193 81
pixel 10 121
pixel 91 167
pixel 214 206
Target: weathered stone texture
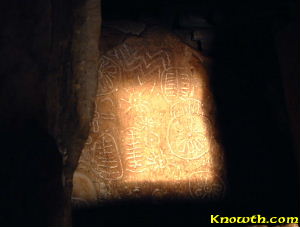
pixel 153 132
pixel 48 83
pixel 71 86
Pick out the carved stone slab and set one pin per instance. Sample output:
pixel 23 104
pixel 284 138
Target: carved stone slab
pixel 153 132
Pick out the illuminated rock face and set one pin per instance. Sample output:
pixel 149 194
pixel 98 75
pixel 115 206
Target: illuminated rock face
pixel 153 131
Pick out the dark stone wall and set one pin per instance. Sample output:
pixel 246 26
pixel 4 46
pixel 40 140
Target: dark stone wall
pixel 49 51
pixel 31 164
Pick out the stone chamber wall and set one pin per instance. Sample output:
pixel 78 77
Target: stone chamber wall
pixel 50 51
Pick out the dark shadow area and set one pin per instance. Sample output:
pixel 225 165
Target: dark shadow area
pixel 31 188
pixel 262 166
pixel 30 173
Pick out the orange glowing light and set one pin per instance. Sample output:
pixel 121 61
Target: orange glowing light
pixel 152 132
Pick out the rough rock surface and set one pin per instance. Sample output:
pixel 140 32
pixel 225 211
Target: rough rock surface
pixel 48 84
pixel 153 132
pixel 71 89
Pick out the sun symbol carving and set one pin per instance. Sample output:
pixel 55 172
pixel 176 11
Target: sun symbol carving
pixel 188 136
pixel 146 123
pixel 136 102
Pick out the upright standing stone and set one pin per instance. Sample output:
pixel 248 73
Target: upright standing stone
pixel 153 132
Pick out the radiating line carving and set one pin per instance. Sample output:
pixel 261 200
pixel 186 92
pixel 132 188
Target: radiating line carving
pixel 188 136
pixel 135 103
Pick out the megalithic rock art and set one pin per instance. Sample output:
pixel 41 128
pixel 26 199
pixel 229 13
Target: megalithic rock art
pixel 153 131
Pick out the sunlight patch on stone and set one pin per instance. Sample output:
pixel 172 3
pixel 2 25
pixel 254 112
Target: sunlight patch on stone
pixel 153 131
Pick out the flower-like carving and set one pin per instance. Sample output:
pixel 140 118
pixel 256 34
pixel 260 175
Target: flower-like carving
pixel 188 136
pixel 135 103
